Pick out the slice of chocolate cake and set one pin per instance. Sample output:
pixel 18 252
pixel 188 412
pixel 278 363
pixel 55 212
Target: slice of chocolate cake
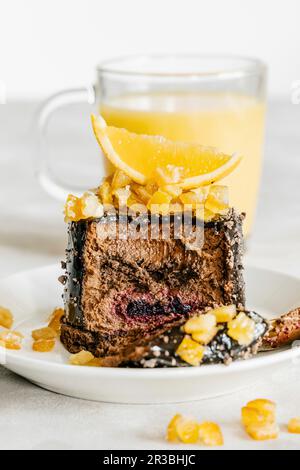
pixel 121 293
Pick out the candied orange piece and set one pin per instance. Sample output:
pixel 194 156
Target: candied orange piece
pixel 120 180
pixel 81 359
pixel 151 186
pixel 210 434
pixel 159 202
pixel 205 337
pixel 208 215
pixel 263 405
pixel 72 209
pixel 6 318
pixel 172 435
pixel 294 426
pixel 43 333
pixel 255 417
pixel 241 329
pixel 91 206
pixel 217 200
pixel 122 195
pixel 224 314
pixel 54 320
pixel 43 345
pixel 141 192
pixel 187 430
pixel 11 339
pixel 105 193
pixel 173 189
pixel 202 328
pixel 203 322
pixel 263 433
pixel 194 197
pixel 170 174
pixel 95 362
pixel 190 351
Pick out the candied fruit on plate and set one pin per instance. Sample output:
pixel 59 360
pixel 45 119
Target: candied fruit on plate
pixel 242 329
pixel 43 345
pixel 81 359
pixel 190 351
pixel 6 318
pixel 10 339
pixel 55 318
pixel 43 333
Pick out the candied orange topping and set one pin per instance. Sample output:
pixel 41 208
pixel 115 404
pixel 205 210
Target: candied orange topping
pixel 162 194
pixel 85 207
pixel 120 180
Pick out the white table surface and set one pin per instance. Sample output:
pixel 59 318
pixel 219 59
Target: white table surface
pixel 32 234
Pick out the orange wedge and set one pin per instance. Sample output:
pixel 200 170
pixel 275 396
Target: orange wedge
pixel 140 155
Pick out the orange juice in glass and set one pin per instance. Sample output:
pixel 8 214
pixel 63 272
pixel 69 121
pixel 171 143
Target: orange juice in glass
pixel 213 101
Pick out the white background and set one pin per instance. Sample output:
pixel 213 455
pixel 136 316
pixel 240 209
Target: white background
pixel 46 45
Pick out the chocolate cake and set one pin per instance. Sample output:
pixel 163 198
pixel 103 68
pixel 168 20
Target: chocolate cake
pixel 121 293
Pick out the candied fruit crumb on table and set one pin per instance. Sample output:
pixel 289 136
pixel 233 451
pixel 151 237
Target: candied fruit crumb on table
pixel 172 435
pixel 210 434
pixel 259 419
pixel 6 318
pixel 183 429
pixel 294 425
pixel 263 433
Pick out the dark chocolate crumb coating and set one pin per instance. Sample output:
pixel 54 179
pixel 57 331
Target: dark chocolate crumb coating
pixel 161 352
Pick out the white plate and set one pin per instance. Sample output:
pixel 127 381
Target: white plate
pixel 33 294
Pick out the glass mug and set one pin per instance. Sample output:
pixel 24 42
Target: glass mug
pixel 213 100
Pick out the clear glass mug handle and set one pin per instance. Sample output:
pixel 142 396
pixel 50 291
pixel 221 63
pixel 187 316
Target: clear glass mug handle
pixel 48 181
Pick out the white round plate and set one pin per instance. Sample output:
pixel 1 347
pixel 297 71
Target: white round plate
pixel 32 295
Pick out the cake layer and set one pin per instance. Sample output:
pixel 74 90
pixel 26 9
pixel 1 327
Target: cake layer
pixel 122 292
